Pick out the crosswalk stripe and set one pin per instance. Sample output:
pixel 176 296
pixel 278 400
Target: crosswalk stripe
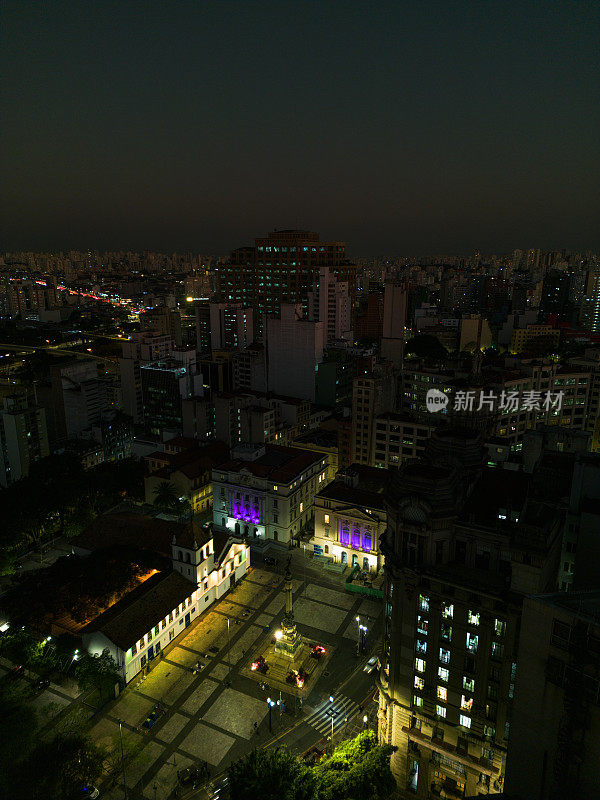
pixel 342 707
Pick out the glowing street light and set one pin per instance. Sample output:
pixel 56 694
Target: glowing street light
pixel 278 635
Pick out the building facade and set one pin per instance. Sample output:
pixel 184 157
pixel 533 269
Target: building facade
pixel 463 547
pixel 266 492
pixel 350 518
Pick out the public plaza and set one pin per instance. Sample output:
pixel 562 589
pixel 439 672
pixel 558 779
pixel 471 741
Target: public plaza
pixel 220 712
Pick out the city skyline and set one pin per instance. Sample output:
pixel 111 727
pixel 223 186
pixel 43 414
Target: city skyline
pixel 439 129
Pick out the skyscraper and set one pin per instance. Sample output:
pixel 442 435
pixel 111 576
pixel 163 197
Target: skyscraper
pixel 281 268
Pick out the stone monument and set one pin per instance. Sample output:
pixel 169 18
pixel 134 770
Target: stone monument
pixel 290 640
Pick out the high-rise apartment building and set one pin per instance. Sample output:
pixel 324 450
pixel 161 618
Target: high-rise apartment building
pixel 23 437
pixel 373 394
pixel 84 397
pixel 165 384
pixel 330 303
pixel 464 546
pixel 395 305
pixel 166 321
pixel 281 268
pixel 141 348
pixel 553 738
pixel 590 307
pixel 231 326
pixel 293 349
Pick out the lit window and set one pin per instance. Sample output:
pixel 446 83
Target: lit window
pixel 301 507
pixel 440 711
pixel 419 665
pixel 489 730
pixel 472 642
pixel 469 684
pixel 444 655
pixel 499 627
pixel 447 610
pixel 417 701
pixel 466 703
pixel 446 631
pixel 326 519
pixel 442 693
pixel 497 650
pixel 421 646
pixel 419 683
pixel 443 674
pixel 422 625
pixel 423 602
pixel 275 488
pixel 465 721
pixel 473 618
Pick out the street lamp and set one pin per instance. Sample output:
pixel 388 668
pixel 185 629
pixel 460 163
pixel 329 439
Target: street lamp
pixel 365 719
pixel 122 758
pixel 304 563
pixel 358 636
pixel 270 703
pixel 362 630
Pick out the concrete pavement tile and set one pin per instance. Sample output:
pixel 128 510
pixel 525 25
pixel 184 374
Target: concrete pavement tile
pixel 276 604
pixel 318 616
pixel 264 619
pixel 169 729
pixel 220 671
pixel 207 744
pixel 184 657
pixel 245 642
pixel 165 779
pixel 371 608
pixel 132 708
pixel 236 713
pixel 199 696
pixel 329 596
pixel 143 762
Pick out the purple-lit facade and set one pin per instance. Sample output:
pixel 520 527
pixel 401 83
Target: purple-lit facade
pixel 347 532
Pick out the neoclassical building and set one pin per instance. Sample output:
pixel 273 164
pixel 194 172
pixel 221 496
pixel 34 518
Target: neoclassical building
pixel 350 518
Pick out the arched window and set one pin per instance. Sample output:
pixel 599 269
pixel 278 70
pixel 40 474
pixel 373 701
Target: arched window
pixel 180 557
pixel 187 558
pixel 345 534
pixel 367 539
pixel 356 538
pixel 275 535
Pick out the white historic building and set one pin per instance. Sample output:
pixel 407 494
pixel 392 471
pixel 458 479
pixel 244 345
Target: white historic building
pixel 267 491
pixel 137 628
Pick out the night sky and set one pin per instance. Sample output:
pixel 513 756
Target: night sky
pixel 400 127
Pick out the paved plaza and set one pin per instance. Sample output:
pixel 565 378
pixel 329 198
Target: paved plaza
pixel 220 712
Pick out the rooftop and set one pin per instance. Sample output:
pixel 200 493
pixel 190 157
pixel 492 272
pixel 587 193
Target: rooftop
pixel 128 620
pixel 134 529
pixel 279 464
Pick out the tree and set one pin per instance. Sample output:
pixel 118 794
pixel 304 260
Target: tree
pixel 357 768
pixel 271 775
pixel 97 672
pixel 60 768
pixel 427 347
pixel 165 495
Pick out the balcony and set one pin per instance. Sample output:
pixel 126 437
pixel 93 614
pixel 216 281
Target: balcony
pixel 449 751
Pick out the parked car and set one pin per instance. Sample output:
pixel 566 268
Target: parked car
pixel 150 720
pixel 371 664
pixel 89 791
pixel 18 671
pixel 42 684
